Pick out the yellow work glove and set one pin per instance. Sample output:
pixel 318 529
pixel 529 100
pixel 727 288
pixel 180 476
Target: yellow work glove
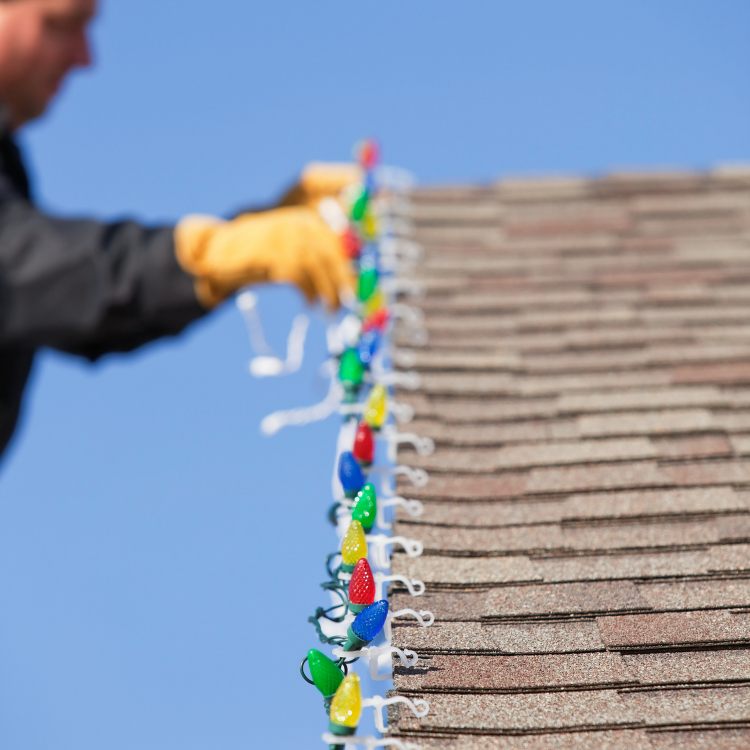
pixel 321 180
pixel 290 244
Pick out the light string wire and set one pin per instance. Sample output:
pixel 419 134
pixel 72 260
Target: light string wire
pixel 372 219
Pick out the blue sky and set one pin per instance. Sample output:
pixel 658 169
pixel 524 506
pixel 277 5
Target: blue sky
pixel 158 558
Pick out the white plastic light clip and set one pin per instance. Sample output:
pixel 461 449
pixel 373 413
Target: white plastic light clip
pixel 412 316
pixel 266 366
pixel 424 617
pixel 403 413
pixel 418 477
pixel 374 654
pixel 416 336
pixel 411 379
pixel 369 742
pixel 343 335
pixel 418 707
pixel 272 423
pixel 266 363
pixel 413 507
pixel 378 543
pixel 408 287
pixel 425 446
pixel 414 585
pixel 394 179
pixel 403 357
pixel 401 250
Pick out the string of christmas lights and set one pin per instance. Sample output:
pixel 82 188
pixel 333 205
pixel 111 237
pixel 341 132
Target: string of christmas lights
pixel 371 220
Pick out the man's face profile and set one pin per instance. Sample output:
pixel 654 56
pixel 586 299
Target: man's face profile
pixel 41 41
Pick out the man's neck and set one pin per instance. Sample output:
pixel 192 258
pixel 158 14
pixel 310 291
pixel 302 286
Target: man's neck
pixel 6 121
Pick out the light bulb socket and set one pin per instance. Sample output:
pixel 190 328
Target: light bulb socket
pixel 355 643
pixel 346 568
pixel 357 608
pixel 351 392
pixel 351 494
pixel 340 731
pixel 364 464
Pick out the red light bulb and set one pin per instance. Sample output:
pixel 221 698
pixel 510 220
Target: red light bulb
pixel 351 244
pixel 364 445
pixel 361 587
pixel 377 321
pixel 368 154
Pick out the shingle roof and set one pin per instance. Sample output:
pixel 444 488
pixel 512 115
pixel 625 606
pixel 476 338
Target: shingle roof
pixel 587 519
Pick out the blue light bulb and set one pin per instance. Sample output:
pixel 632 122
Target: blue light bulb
pixel 368 345
pixel 370 184
pixel 350 474
pixel 369 622
pixel 368 258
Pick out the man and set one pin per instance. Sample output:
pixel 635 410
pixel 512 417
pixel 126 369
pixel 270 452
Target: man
pixel 89 288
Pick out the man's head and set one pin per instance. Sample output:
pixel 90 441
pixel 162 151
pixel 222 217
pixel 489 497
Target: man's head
pixel 41 41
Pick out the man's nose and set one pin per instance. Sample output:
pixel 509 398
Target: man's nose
pixel 81 57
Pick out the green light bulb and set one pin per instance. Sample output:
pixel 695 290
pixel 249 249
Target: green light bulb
pixel 325 674
pixel 366 507
pixel 351 369
pixel 360 204
pixel 368 283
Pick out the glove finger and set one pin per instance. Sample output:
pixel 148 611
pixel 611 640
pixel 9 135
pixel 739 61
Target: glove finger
pixel 323 277
pixel 306 284
pixel 340 271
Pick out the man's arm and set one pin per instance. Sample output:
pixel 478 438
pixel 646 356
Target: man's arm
pixel 90 288
pixel 87 287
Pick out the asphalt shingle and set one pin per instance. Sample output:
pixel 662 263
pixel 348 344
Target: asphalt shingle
pixel 586 524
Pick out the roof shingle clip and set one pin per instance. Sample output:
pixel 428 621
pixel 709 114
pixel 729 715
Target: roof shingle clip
pixel 407 657
pixel 402 412
pixel 397 225
pixel 425 446
pixel 418 477
pixel 424 617
pixel 370 742
pixel 408 287
pixel 396 182
pixel 409 379
pixel 414 585
pixel 413 507
pixel 401 249
pixel 378 545
pixel 403 357
pixel 419 707
pixel 400 267
pixel 412 316
pixel 415 336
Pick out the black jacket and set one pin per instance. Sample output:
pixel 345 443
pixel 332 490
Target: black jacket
pixel 79 286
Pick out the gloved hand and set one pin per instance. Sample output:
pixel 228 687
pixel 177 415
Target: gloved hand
pixel 321 180
pixel 286 244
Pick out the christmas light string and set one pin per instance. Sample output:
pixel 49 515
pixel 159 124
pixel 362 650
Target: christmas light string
pixel 372 220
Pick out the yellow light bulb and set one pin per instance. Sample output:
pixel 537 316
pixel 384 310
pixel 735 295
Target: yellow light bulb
pixel 346 705
pixel 374 303
pixel 375 407
pixel 370 226
pixel 354 546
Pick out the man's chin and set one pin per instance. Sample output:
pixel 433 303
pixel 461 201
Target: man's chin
pixel 28 110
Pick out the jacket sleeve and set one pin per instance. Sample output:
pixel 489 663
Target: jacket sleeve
pixel 87 287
